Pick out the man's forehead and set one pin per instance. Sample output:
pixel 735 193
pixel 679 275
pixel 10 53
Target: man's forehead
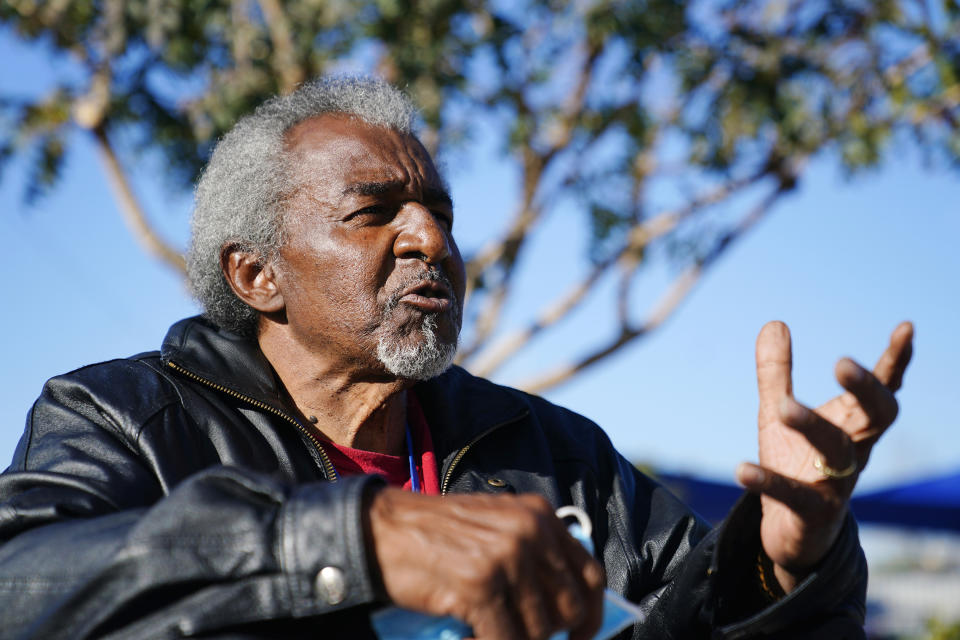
pixel 322 128
pixel 338 133
pixel 365 157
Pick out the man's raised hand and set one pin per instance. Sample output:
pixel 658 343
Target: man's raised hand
pixel 810 459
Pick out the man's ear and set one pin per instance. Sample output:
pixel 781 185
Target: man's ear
pixel 253 281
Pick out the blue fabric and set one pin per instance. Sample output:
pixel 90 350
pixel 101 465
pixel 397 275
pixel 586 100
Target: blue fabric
pixel 927 504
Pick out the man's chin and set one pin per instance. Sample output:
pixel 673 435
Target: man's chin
pixel 417 364
pixel 419 355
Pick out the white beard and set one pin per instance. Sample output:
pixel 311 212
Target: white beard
pixel 421 361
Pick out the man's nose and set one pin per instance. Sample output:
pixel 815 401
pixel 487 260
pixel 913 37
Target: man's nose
pixel 422 235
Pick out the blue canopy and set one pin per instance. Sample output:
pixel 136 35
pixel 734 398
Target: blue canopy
pixel 712 500
pixel 927 504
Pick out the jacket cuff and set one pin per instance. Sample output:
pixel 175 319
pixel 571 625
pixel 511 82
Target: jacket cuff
pixel 833 594
pixel 323 549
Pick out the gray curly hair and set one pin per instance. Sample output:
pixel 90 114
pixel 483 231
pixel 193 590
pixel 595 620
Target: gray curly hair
pixel 239 196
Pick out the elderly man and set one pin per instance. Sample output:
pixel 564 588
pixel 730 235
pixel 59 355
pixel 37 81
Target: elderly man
pixel 248 480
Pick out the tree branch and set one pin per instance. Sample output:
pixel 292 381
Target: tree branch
pixel 130 208
pixel 664 308
pixel 493 357
pixel 506 253
pixel 524 220
pixel 506 250
pixel 284 54
pixel 242 33
pixel 572 107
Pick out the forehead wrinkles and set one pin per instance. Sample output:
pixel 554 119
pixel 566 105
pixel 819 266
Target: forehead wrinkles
pixel 341 149
pixel 411 163
pixel 328 154
pixel 317 165
pixel 392 158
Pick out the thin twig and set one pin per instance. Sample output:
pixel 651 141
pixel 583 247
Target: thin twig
pixel 493 306
pixel 665 307
pixel 284 54
pixel 242 33
pixel 527 216
pixel 133 213
pixel 493 357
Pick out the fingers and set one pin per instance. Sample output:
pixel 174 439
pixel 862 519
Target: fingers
pixel 774 362
pixel 554 582
pixel 800 521
pixel 809 502
pixel 503 564
pixel 833 444
pixel 892 364
pixel 575 576
pixel 810 458
pixel 874 404
pixel 584 615
pixel 871 396
pixel 497 619
pixel 549 592
pixel 593 614
pixel 869 407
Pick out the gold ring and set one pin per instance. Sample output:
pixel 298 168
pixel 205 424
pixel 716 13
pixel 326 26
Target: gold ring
pixel 830 472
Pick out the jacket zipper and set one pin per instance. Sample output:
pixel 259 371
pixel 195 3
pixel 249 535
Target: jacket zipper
pixel 329 471
pixel 445 485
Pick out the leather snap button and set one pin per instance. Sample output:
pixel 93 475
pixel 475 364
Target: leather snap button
pixel 331 585
pixel 496 482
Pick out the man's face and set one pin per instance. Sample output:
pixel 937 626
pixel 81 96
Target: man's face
pixel 370 274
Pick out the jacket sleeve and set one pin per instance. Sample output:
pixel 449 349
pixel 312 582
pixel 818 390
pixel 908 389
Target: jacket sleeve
pixel 709 579
pixel 91 545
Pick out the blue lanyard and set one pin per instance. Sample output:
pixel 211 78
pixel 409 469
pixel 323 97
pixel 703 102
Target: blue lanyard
pixel 414 476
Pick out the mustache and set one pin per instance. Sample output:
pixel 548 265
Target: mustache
pixel 430 275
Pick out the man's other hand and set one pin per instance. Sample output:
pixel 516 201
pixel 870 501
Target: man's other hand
pixel 504 564
pixel 810 459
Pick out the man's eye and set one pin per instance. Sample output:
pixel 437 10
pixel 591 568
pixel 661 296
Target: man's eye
pixel 445 218
pixel 377 210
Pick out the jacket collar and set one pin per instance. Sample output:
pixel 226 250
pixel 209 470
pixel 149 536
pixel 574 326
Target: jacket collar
pixel 459 407
pixel 221 358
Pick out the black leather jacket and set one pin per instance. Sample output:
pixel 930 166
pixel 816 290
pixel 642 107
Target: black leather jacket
pixel 171 495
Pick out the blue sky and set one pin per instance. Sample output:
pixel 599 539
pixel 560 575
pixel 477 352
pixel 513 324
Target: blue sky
pixel 841 261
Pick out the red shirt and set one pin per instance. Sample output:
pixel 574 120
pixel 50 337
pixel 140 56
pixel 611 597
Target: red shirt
pixel 395 469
